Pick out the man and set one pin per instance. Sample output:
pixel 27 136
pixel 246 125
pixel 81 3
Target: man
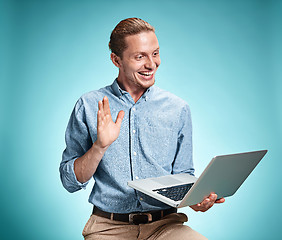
pixel 150 137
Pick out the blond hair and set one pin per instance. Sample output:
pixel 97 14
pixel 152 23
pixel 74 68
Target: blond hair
pixel 124 28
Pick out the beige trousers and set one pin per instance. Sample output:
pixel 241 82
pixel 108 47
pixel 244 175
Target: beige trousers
pixel 170 227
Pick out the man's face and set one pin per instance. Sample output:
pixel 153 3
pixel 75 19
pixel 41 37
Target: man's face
pixel 140 61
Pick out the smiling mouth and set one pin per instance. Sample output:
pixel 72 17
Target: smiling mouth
pixel 147 74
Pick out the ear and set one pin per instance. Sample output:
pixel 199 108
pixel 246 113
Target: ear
pixel 116 60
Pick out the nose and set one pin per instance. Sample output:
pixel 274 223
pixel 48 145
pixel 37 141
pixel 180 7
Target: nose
pixel 150 63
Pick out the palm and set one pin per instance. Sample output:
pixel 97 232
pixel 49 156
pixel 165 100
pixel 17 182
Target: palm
pixel 107 130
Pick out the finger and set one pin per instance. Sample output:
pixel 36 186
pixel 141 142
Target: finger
pixel 206 204
pixel 106 106
pixel 99 119
pixel 100 105
pixel 221 200
pixel 119 118
pixel 213 197
pixel 101 109
pixel 100 114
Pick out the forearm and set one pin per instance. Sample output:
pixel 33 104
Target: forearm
pixel 86 165
pixel 107 132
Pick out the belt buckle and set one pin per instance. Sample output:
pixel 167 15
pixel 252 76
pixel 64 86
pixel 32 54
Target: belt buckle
pixel 137 218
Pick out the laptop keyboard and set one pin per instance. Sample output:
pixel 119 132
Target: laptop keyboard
pixel 175 193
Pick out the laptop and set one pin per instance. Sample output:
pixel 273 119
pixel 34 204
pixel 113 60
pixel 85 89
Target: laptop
pixel 223 176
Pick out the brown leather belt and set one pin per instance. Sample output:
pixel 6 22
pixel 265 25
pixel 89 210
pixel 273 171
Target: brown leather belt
pixel 135 218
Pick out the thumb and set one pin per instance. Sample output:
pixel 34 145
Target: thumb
pixel 119 118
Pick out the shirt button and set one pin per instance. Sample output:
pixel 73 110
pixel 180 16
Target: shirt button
pixel 136 177
pixel 133 108
pixel 141 199
pixel 134 153
pixel 134 131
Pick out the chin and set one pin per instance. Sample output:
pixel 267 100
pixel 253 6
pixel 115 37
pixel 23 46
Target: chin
pixel 147 84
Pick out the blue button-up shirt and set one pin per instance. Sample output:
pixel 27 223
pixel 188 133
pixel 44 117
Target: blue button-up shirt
pixel 155 139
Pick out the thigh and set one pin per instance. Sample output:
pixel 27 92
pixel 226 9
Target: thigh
pixel 171 227
pixel 106 229
pixel 180 232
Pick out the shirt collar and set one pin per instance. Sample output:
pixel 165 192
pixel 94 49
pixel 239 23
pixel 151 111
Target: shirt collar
pixel 119 92
pixel 116 89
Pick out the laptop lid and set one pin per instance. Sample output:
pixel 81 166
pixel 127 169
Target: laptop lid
pixel 224 175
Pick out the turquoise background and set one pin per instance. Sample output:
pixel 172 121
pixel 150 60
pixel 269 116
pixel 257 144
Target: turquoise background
pixel 222 57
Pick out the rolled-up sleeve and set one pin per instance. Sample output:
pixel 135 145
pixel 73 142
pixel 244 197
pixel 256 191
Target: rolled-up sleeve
pixel 78 142
pixel 183 162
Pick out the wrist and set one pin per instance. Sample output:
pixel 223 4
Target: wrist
pixel 97 148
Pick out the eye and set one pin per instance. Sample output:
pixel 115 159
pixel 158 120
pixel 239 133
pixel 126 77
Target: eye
pixel 139 57
pixel 156 53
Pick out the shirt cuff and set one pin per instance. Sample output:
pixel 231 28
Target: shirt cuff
pixel 72 176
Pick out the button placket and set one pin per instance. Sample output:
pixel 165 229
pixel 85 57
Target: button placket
pixel 133 143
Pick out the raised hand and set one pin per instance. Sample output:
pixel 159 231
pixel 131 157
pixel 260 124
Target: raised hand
pixel 107 130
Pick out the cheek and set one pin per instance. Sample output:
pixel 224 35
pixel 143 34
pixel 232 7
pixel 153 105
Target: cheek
pixel 133 65
pixel 137 67
pixel 128 69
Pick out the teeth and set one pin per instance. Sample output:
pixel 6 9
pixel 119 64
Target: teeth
pixel 146 73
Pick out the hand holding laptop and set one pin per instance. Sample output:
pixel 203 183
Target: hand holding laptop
pixel 207 203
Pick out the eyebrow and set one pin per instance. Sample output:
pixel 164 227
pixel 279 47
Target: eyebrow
pixel 157 49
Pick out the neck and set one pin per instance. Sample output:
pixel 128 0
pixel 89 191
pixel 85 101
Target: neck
pixel 133 89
